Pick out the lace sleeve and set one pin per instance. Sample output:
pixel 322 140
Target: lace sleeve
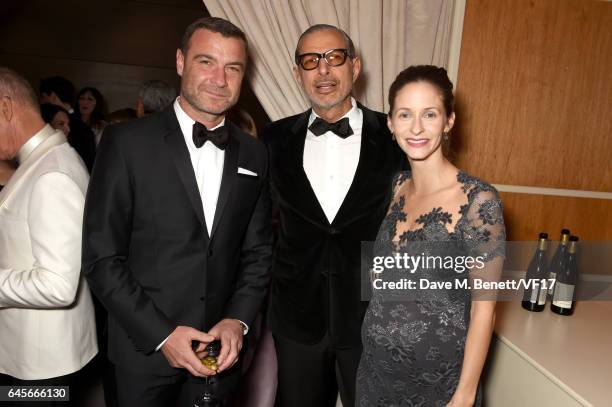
pixel 485 237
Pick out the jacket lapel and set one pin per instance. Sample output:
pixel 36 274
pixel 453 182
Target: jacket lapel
pixel 230 170
pixel 180 156
pixel 297 190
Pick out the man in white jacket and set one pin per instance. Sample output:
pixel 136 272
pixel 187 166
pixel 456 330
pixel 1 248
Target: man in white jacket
pixel 47 325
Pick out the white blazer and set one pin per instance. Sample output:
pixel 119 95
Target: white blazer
pixel 47 324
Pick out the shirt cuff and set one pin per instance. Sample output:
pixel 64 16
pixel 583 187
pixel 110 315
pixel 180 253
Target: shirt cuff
pixel 162 344
pixel 245 328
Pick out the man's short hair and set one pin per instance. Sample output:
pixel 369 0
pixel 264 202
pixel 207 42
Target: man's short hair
pixel 62 87
pixel 352 53
pixel 49 110
pixel 17 88
pixel 213 24
pixel 156 95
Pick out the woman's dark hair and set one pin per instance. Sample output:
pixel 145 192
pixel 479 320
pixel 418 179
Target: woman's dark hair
pixel 62 87
pixel 99 112
pixel 49 110
pixel 431 74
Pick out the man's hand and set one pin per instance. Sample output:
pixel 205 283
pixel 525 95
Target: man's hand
pixel 179 353
pixel 229 332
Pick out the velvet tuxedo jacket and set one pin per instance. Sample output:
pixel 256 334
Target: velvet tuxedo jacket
pixel 316 284
pixel 146 250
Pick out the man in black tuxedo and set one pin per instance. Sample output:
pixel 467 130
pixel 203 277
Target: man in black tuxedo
pixel 177 240
pixel 331 173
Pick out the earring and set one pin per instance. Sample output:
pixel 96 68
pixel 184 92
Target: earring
pixel 392 136
pixel 445 135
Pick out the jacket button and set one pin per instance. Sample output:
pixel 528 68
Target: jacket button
pixel 210 252
pixel 202 298
pixel 334 231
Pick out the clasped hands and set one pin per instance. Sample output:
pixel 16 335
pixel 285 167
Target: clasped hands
pixel 179 352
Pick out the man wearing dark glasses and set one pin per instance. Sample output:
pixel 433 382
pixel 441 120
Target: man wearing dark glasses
pixel 331 172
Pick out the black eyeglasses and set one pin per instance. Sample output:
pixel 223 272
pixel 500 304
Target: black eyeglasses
pixel 333 57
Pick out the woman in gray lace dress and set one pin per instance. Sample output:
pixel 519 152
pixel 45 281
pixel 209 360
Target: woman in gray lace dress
pixel 426 347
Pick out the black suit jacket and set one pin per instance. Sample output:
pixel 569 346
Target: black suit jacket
pixel 316 273
pixel 146 251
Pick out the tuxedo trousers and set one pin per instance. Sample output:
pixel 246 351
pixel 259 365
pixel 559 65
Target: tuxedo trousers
pixel 138 389
pixel 312 375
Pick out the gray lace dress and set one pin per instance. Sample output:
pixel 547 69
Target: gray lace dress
pixel 413 345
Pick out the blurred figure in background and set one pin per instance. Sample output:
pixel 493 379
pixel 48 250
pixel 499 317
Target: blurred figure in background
pixel 154 96
pixel 259 370
pixel 92 110
pixel 243 120
pixel 56 116
pixel 60 91
pixel 121 115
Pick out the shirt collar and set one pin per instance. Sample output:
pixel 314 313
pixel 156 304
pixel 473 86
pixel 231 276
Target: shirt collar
pixel 26 150
pixel 354 114
pixel 186 123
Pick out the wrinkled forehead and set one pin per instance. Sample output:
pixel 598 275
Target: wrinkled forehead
pixel 321 41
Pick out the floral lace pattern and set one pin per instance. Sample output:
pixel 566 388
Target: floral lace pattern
pixel 413 350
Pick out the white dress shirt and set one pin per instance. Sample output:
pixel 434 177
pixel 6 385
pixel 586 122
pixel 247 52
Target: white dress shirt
pixel 330 162
pixel 207 162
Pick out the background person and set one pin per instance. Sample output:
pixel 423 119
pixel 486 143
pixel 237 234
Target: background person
pixel 60 91
pixel 153 97
pixel 92 110
pixel 56 116
pixel 47 325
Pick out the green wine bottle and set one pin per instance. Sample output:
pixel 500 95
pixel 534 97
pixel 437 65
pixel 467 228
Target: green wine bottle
pixel 534 296
pixel 564 296
pixel 558 261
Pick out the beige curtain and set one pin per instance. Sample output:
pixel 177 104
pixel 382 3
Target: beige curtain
pixel 389 35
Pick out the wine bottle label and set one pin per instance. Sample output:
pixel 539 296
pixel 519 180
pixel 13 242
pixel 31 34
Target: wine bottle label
pixel 542 296
pixel 564 295
pixel 552 276
pixel 533 297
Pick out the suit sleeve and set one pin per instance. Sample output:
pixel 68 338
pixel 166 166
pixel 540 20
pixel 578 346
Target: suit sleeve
pixel 107 229
pixel 55 214
pixel 255 259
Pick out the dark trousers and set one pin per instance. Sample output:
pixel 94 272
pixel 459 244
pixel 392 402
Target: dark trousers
pixel 135 389
pixel 312 375
pixel 80 384
pixel 104 367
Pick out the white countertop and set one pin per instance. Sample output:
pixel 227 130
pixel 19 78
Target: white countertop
pixel 573 351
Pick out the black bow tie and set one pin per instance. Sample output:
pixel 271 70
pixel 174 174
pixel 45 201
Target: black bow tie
pixel 341 128
pixel 218 136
